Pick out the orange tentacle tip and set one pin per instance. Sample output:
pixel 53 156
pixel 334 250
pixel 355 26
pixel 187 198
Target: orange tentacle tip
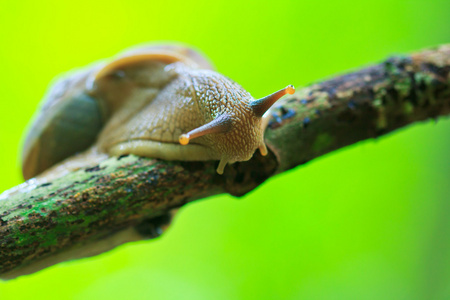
pixel 290 89
pixel 184 139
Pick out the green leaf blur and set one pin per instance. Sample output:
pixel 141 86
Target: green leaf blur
pixel 370 221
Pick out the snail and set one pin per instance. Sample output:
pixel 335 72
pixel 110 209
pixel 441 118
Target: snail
pixel 159 101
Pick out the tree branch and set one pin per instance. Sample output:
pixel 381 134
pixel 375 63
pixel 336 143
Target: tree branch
pixel 129 198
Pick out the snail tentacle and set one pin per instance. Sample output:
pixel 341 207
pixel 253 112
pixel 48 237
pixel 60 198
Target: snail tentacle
pixel 263 149
pixel 223 162
pixel 260 106
pixel 221 124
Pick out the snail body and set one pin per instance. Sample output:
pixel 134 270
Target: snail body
pixel 160 101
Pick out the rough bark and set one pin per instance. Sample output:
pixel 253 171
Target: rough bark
pixel 43 220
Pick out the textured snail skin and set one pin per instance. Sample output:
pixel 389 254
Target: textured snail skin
pixel 161 102
pixel 192 99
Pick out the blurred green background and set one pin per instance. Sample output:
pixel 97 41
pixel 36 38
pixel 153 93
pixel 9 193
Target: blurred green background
pixel 370 221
